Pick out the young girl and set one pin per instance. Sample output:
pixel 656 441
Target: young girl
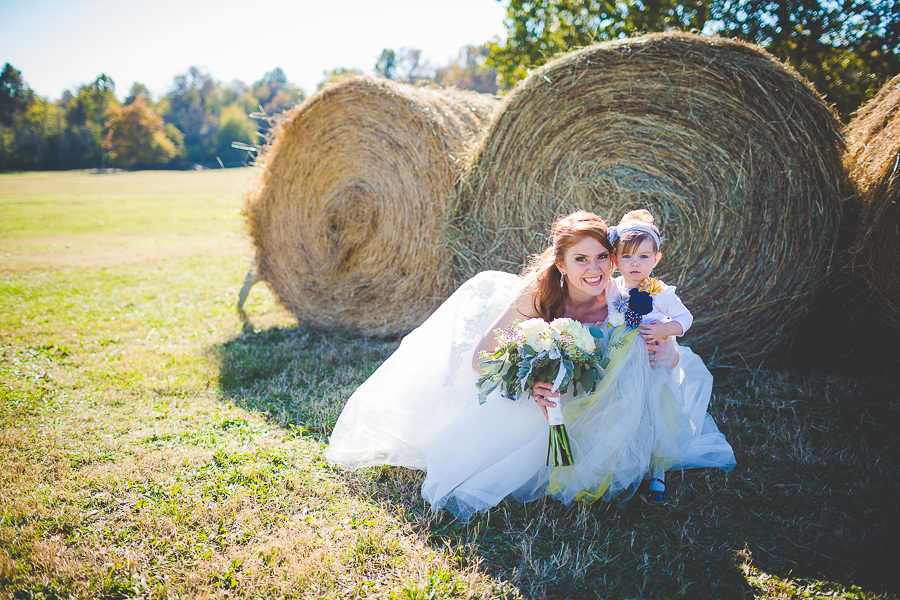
pixel 639 300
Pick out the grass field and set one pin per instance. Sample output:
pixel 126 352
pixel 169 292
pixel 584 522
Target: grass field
pixel 154 443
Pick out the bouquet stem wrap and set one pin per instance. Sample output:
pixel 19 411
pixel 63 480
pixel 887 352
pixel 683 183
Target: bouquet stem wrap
pixel 559 449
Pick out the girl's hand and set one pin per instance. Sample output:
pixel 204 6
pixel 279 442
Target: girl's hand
pixel 654 331
pixel 543 396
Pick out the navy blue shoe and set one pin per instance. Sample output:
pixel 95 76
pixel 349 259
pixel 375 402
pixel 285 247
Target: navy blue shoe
pixel 657 496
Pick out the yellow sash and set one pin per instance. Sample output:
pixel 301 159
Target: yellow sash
pixel 574 409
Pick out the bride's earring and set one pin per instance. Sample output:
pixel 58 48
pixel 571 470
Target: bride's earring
pixel 562 280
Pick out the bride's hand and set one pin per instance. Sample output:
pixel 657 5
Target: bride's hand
pixel 662 353
pixel 542 394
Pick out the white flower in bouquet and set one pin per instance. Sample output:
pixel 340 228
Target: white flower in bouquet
pixel 577 335
pixel 536 335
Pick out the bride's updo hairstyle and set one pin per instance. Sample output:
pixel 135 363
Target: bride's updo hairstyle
pixel 629 241
pixel 549 297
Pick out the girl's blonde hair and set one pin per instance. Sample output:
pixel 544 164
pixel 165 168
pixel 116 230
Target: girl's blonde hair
pixel 627 242
pixel 549 297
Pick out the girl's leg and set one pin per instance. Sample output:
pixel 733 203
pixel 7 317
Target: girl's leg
pixel 657 483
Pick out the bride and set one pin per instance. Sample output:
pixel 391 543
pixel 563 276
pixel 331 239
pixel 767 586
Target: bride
pixel 420 408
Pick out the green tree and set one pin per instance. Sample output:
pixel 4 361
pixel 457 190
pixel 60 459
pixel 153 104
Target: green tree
pixel 539 29
pixel 15 95
pixel 189 108
pixel 274 94
pixel 138 90
pixel 847 48
pixel 234 126
pixel 30 126
pixel 137 137
pixel 85 117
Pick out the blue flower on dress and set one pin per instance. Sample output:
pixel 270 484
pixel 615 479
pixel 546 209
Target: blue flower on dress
pixel 640 302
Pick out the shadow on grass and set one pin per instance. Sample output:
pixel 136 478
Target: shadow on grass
pixel 811 508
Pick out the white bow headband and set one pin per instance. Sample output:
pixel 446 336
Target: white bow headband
pixel 613 233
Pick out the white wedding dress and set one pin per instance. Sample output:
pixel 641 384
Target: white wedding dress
pixel 420 410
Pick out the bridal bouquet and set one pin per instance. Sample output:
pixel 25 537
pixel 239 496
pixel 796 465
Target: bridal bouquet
pixel 561 351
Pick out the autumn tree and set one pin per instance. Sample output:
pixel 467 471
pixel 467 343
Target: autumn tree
pixel 137 137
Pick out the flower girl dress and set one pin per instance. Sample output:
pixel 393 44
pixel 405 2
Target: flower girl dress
pixel 420 410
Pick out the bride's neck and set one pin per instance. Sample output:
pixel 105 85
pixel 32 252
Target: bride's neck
pixel 592 308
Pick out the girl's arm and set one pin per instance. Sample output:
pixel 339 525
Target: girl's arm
pixel 671 306
pixel 657 331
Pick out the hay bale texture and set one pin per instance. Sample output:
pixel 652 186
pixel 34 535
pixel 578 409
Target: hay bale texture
pixel 873 161
pixel 350 200
pixel 736 156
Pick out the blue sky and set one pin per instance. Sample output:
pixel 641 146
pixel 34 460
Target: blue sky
pixel 63 44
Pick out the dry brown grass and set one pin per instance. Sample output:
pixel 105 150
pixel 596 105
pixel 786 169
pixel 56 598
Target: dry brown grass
pixel 350 200
pixel 736 156
pixel 873 160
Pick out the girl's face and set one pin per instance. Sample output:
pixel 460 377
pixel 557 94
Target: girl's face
pixel 636 266
pixel 587 267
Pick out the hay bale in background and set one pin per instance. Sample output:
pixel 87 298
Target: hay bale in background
pixel 873 161
pixel 348 207
pixel 737 158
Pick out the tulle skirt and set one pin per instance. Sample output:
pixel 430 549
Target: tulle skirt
pixel 420 410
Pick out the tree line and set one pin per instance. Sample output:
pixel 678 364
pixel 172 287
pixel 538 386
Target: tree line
pixel 196 123
pixel 847 48
pixel 199 122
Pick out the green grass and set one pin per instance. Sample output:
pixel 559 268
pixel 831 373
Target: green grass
pixel 133 203
pixel 154 443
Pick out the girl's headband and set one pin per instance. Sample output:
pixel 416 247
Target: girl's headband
pixel 614 232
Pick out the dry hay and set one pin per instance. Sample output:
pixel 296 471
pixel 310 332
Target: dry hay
pixel 349 205
pixel 735 155
pixel 873 160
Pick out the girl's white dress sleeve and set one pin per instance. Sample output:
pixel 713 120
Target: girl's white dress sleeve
pixel 667 306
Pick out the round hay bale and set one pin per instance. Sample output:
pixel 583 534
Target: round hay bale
pixel 736 156
pixel 873 161
pixel 349 204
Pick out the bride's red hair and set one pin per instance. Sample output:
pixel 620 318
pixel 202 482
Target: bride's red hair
pixel 549 297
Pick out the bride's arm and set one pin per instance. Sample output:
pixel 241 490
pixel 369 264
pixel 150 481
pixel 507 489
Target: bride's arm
pixel 521 308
